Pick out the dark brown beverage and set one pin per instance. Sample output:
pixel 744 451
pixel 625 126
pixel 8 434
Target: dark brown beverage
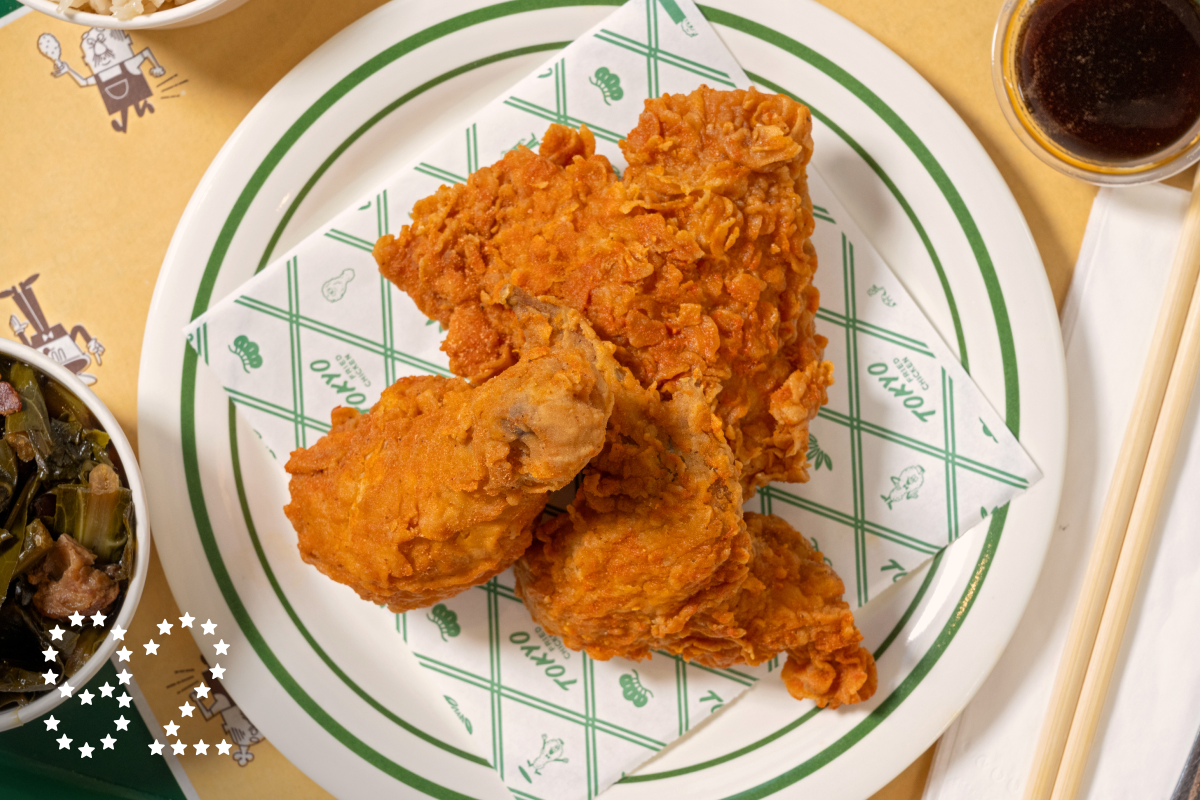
pixel 1112 80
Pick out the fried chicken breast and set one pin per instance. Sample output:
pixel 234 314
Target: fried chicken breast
pixel 436 488
pixel 697 260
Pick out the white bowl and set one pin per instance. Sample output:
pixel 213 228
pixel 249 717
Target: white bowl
pixel 141 527
pixel 191 13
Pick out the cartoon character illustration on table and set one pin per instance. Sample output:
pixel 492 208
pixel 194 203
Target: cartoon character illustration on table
pixel 52 340
pixel 905 485
pixel 116 71
pixel 233 721
pixel 551 752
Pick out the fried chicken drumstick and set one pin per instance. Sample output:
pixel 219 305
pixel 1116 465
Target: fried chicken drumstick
pixel 697 260
pixel 654 554
pixel 436 489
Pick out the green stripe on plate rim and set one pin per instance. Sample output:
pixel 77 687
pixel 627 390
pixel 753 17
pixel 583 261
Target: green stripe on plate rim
pixel 368 68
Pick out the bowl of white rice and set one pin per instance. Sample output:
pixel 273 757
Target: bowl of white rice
pixel 134 14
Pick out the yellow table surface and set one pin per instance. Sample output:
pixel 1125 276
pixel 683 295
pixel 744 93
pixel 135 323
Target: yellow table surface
pixel 92 211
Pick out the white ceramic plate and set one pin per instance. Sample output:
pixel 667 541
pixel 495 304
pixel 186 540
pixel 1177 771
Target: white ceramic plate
pixel 322 674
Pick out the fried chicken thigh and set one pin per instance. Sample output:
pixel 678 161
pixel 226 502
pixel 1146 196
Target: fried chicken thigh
pixel 654 554
pixel 436 489
pixel 696 261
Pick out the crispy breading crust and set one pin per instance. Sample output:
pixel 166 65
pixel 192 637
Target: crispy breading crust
pixel 696 264
pixel 696 261
pixel 654 554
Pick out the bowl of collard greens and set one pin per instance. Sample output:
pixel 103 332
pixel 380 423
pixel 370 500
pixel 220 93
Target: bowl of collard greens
pixel 74 537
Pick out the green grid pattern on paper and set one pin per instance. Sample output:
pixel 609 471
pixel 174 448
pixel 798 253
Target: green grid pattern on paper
pixel 445 175
pixel 590 720
pixel 559 112
pixel 655 56
pixel 299 323
pixel 856 427
pixel 198 339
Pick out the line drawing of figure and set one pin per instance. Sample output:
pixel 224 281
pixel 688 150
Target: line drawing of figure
pixel 905 485
pixel 116 70
pixel 551 751
pixel 52 340
pixel 233 720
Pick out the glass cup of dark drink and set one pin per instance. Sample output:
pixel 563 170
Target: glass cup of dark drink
pixel 1107 91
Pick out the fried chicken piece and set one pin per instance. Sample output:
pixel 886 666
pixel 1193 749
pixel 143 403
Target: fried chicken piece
pixel 697 261
pixel 437 487
pixel 792 602
pixel 69 584
pixel 654 554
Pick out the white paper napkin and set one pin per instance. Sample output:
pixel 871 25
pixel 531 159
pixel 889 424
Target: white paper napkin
pixel 1153 709
pixel 907 456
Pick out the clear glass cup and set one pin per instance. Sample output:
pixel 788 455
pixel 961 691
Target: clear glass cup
pixel 1172 159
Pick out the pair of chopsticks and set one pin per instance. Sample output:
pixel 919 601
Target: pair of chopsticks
pixel 1126 527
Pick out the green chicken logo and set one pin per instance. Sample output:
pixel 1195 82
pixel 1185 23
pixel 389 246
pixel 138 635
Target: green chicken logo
pixel 446 620
pixel 608 84
pixel 247 351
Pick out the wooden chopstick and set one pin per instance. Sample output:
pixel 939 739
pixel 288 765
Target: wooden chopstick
pixel 1132 558
pixel 1115 519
